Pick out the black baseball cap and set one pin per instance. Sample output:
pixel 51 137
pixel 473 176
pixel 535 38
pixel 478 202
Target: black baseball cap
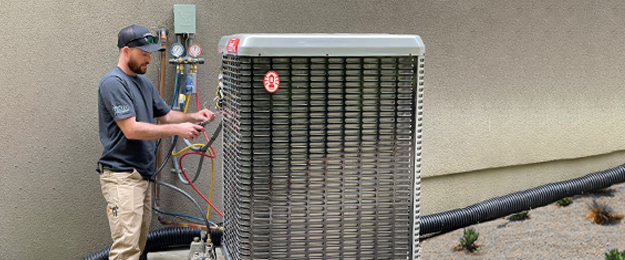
pixel 138 37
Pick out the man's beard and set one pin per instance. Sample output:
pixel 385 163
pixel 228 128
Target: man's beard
pixel 136 67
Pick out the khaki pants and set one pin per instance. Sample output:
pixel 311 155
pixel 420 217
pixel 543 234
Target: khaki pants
pixel 128 196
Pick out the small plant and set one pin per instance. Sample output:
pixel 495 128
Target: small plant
pixel 614 254
pixel 520 216
pixel 602 214
pixel 467 241
pixel 565 201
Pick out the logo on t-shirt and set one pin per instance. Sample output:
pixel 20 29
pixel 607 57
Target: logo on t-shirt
pixel 121 109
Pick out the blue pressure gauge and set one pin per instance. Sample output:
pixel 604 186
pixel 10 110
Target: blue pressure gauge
pixel 177 50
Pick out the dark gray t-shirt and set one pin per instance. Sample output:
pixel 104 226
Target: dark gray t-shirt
pixel 121 96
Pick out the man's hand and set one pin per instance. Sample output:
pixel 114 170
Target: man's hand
pixel 203 115
pixel 177 117
pixel 190 131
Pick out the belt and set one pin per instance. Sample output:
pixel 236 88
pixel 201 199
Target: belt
pixel 101 167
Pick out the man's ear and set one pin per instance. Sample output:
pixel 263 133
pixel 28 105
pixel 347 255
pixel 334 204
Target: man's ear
pixel 125 50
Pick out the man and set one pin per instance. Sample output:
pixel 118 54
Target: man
pixel 127 106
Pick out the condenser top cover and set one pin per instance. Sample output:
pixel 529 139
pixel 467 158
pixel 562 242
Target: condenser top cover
pixel 316 44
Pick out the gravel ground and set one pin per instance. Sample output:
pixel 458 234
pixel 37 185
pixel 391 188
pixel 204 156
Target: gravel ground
pixel 551 232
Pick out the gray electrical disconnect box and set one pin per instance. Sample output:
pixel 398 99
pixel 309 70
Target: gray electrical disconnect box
pixel 184 19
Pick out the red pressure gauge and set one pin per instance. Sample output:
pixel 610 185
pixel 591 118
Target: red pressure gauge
pixel 195 50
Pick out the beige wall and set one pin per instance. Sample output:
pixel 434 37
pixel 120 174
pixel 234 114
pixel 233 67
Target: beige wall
pixel 518 94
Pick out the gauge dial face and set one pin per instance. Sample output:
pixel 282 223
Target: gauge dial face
pixel 195 50
pixel 177 49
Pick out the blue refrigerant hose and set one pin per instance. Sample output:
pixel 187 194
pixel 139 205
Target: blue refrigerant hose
pixel 173 101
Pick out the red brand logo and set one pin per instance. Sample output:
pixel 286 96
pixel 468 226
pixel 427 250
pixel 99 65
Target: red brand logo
pixel 271 81
pixel 233 45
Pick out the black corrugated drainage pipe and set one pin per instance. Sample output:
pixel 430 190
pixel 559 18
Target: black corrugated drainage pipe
pixel 158 240
pixel 519 201
pixel 439 222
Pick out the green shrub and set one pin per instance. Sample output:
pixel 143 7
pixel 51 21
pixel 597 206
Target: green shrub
pixel 614 254
pixel 520 216
pixel 565 201
pixel 467 241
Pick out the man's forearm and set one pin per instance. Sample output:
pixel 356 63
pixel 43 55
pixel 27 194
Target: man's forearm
pixel 147 131
pixel 176 117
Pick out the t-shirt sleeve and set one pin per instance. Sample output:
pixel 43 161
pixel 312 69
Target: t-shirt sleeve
pixel 117 99
pixel 160 106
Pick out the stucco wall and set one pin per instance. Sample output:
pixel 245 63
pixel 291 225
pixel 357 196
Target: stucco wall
pixel 517 94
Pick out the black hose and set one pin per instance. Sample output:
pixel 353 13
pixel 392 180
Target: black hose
pixel 189 197
pixel 519 201
pixel 204 149
pixel 512 203
pixel 215 235
pixel 199 169
pixel 169 237
pixel 157 240
pixel 213 137
pixel 171 149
